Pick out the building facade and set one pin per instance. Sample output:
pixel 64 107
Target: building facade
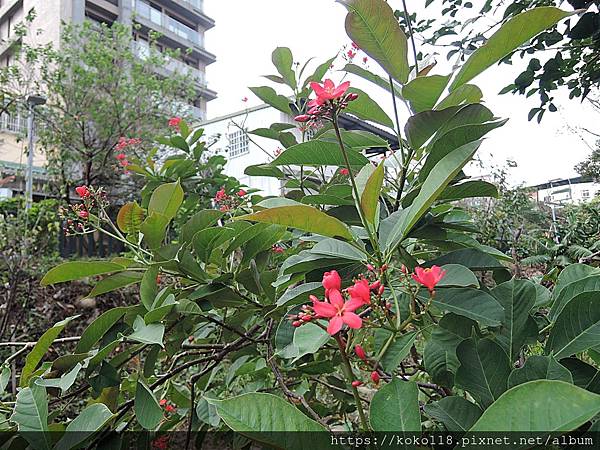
pixel 228 135
pixel 181 24
pixel 566 191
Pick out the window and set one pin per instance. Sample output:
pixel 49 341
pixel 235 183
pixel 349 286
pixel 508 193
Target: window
pixel 238 143
pixel 585 194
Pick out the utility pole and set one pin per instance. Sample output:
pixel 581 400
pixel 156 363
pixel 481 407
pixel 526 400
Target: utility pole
pixel 32 102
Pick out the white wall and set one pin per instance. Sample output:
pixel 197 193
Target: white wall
pixel 574 193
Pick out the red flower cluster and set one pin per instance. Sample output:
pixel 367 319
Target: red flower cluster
pixel 429 277
pixel 345 172
pixel 174 122
pixel 330 99
pixel 167 406
pixel 83 191
pixel 277 249
pixel 227 202
pixel 76 216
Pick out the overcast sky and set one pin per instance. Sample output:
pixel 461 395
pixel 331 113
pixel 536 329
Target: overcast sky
pixel 246 32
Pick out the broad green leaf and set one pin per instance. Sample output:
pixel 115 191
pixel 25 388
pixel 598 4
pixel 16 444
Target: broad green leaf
pixel 115 281
pixel 437 180
pixel 420 127
pixel 458 276
pixel 517 297
pixel 395 407
pixel 200 221
pixel 31 416
pixel 456 413
pixel 64 382
pixel 570 291
pixel 374 28
pixel 299 294
pixel 369 199
pixel 283 60
pixel 154 229
pixel 147 410
pixel 5 374
pixel 308 339
pixel 245 236
pixel 147 334
pixel 130 217
pixel 319 72
pixel 166 200
pixel 572 273
pixel 98 328
pixel 472 303
pixel 439 355
pixel 91 419
pixel 324 199
pixel 558 406
pixel 270 420
pixel 70 271
pixel 305 218
pixel 508 38
pixel 333 247
pixel 264 170
pixel 373 78
pixel 483 371
pixel 423 92
pixel 364 107
pixel 40 348
pixel 149 288
pixel 472 258
pixel 65 363
pixel 319 153
pixel 396 348
pixel 356 139
pixel 469 189
pixel 465 94
pixel 584 375
pixel 539 368
pixel 577 328
pixel 269 96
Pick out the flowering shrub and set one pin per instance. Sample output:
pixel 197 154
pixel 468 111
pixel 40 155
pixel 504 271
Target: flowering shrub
pixel 349 304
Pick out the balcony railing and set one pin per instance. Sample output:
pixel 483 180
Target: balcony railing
pixel 198 4
pixel 162 20
pixel 15 123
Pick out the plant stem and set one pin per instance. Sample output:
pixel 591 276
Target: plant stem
pixel 350 376
pixel 412 36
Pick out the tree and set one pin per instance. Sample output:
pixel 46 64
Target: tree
pixel 101 98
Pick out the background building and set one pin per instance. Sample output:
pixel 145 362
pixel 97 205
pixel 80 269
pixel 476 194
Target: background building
pixel 566 191
pixel 181 24
pixel 229 137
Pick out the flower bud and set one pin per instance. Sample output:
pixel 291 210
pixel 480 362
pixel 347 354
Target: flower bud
pixel 383 268
pixel 352 96
pixel 375 377
pixel 381 290
pixel 360 352
pixel 357 383
pixel 375 286
pixel 296 323
pixel 370 268
pixel 302 118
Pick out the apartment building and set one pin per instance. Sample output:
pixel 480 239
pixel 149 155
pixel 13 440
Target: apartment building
pixel 181 24
pixel 565 191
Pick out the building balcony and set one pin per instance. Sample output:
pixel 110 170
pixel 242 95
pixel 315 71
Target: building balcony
pixel 163 23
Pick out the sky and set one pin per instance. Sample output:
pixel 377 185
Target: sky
pixel 246 33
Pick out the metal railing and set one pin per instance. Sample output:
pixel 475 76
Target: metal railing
pixel 157 17
pixel 15 123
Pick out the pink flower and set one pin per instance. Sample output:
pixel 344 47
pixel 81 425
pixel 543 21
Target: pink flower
pixel 277 249
pixel 83 214
pixel 355 46
pixel 375 377
pixel 170 409
pixel 121 156
pixel 163 402
pixel 220 195
pixel 331 281
pixel 338 312
pixel 429 277
pixel 224 208
pixel 244 99
pixel 241 193
pixel 351 54
pixel 174 122
pixel 357 383
pixel 360 291
pixel 329 91
pixel 302 118
pixel 365 59
pixel 344 172
pixel 124 163
pixel 83 191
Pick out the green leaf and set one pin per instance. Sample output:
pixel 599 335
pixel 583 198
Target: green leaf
pixel 369 199
pixel 91 419
pixel 517 297
pixel 423 92
pixel 373 78
pixel 456 413
pixel 5 374
pixel 283 60
pixel 154 229
pixel 439 177
pixel 572 273
pixel 319 72
pixel 166 200
pixel 147 334
pixel 98 328
pixel 420 127
pixel 395 407
pixel 149 288
pixel 64 382
pixel 472 258
pixel 147 410
pixel 31 416
pixel 396 350
pixel 264 170
pixel 570 291
pixel 508 38
pixel 299 294
pixel 458 276
pixel 199 221
pixel 539 368
pixel 40 348
pixel 364 107
pixel 324 199
pixel 483 371
pixel 558 406
pixel 77 270
pixel 130 217
pixel 333 247
pixel 270 420
pixel 114 282
pixel 305 218
pixel 577 328
pixel 469 189
pixel 319 153
pixel 356 139
pixel 472 303
pixel 374 28
pixel 463 95
pixel 308 339
pixel 269 96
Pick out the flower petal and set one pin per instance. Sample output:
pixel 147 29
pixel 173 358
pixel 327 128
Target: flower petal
pixel 353 304
pixel 352 320
pixel 335 298
pixel 335 325
pixel 324 309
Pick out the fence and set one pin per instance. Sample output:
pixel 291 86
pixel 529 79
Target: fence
pixel 91 245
